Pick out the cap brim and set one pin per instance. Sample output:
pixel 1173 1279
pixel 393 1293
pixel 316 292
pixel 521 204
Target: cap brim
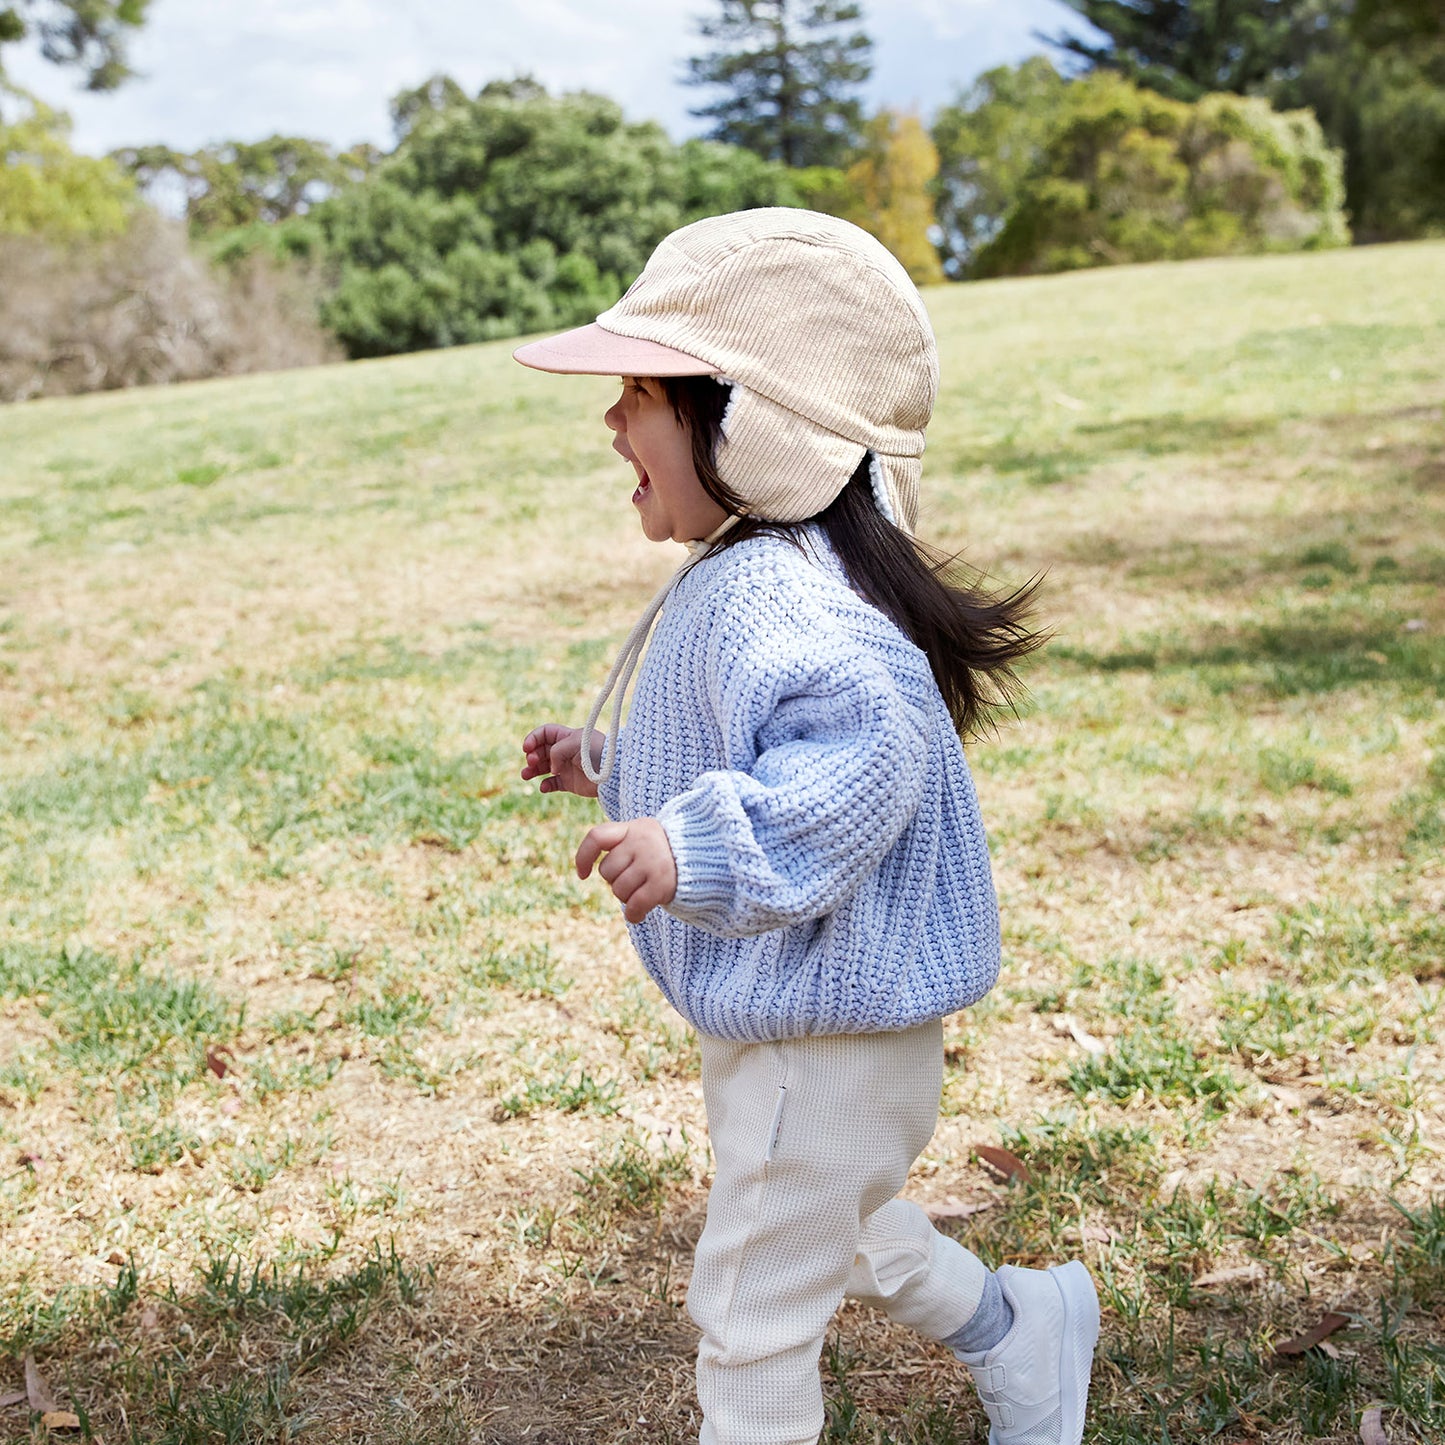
pixel 592 350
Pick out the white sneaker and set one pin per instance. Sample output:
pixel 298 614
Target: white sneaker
pixel 1034 1383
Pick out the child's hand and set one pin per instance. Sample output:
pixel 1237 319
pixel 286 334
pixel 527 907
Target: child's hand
pixel 638 864
pixel 554 754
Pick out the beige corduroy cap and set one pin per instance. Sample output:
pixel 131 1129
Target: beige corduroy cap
pixel 818 328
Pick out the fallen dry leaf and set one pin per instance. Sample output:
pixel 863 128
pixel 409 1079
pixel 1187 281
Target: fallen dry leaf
pixel 1092 1234
pixel 15 1397
pixel 1067 1024
pixel 1235 1274
pixel 1322 1329
pixel 1284 1095
pixel 1170 1183
pixel 952 1208
pixel 37 1392
pixel 115 1257
pixel 60 1420
pixel 658 1130
pixel 216 1061
pixel 1372 1429
pixel 1002 1162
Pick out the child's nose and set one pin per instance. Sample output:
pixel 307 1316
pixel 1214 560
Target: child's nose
pixel 613 416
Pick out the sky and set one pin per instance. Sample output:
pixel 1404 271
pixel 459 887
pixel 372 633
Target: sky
pixel 214 70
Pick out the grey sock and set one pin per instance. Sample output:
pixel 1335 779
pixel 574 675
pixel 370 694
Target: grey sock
pixel 988 1324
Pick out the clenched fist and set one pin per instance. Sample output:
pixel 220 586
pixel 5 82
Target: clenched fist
pixel 637 864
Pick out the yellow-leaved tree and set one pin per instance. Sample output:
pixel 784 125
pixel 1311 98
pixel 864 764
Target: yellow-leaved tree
pixel 47 189
pixel 892 181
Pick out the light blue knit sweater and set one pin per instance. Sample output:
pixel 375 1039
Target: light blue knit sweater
pixel 833 875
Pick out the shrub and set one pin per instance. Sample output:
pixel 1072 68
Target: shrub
pixel 98 314
pixel 1129 175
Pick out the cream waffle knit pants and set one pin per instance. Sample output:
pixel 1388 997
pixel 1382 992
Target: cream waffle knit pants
pixel 812 1139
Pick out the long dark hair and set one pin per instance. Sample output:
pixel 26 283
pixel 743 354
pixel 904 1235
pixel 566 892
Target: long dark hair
pixel 971 636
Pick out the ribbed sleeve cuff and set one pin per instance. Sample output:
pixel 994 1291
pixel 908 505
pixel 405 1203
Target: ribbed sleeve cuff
pixel 705 884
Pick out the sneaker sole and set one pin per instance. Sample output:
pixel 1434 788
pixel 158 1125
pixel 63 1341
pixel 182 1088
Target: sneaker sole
pixel 1081 1333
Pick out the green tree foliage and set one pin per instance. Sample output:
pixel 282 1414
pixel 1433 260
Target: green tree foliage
pixel 790 70
pixel 511 212
pixel 1375 76
pixel 826 189
pixel 89 34
pixel 893 179
pixel 1387 110
pixel 1382 23
pixel 241 183
pixel 988 141
pixel 1373 71
pixel 1130 175
pixel 1187 48
pixel 46 189
pixel 718 178
pixel 433 96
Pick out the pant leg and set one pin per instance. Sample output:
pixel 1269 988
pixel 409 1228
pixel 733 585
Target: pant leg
pixel 810 1138
pixel 916 1275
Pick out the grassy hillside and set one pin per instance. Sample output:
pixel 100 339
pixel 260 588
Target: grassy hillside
pixel 333 1107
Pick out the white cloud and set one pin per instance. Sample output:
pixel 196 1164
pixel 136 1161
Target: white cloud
pixel 240 69
pixel 949 19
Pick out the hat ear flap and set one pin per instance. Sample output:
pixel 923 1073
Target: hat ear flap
pixel 783 466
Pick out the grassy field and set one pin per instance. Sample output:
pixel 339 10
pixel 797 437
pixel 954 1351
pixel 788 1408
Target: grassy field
pixel 333 1107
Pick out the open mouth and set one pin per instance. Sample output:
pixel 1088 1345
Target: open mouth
pixel 643 485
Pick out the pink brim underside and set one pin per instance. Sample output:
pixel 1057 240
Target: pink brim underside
pixel 593 351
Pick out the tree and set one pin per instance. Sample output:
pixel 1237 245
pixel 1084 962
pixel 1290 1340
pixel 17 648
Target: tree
pixel 1382 23
pixel 433 96
pixel 1130 175
pixel 892 179
pixel 90 34
pixel 1188 48
pixel 47 190
pixel 1373 71
pixel 720 178
pixel 241 183
pixel 1387 111
pixel 791 70
pixel 988 141
pixel 515 211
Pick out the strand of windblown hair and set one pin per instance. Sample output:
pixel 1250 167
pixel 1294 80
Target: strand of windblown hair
pixel 620 677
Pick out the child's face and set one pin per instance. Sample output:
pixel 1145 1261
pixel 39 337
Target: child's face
pixel 669 496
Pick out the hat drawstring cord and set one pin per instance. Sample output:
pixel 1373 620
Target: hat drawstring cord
pixel 620 677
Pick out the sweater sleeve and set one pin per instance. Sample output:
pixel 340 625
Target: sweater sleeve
pixel 837 772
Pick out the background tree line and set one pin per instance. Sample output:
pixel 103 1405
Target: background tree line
pixel 1181 128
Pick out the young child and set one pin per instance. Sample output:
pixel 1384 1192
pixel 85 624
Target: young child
pixel 794 834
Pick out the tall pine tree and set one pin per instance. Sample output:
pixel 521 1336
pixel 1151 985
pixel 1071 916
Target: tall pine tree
pixel 790 70
pixel 1187 48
